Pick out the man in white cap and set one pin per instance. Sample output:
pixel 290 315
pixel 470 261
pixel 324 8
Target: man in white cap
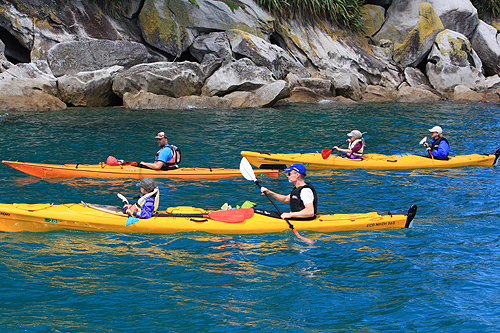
pixel 355 147
pixel 439 147
pixel 167 158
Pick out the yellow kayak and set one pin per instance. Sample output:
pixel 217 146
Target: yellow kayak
pixel 103 170
pixel 87 217
pixel 369 161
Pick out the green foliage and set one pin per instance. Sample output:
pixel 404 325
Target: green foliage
pixel 231 4
pixel 346 13
pixel 487 7
pixel 110 7
pixel 194 3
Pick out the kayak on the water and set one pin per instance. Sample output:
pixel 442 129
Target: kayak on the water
pixel 103 170
pixel 370 161
pixel 87 217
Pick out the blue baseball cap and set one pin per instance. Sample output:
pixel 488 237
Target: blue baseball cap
pixel 297 167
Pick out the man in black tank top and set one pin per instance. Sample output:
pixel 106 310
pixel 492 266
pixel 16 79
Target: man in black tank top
pixel 303 199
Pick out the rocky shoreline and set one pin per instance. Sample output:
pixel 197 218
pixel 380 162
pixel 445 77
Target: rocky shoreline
pixel 204 54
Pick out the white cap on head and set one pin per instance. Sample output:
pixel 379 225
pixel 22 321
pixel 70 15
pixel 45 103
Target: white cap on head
pixel 436 129
pixel 357 134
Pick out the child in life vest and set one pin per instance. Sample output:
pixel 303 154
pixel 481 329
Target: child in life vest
pixel 148 203
pixel 356 145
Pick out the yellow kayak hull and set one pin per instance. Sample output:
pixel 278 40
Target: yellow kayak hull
pixel 370 161
pixel 103 170
pixel 85 217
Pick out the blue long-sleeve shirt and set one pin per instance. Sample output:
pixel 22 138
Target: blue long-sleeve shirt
pixel 442 151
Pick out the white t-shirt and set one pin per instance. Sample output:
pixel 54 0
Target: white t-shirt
pixel 307 196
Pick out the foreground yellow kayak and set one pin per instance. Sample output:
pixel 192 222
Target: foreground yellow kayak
pixel 369 161
pixel 103 170
pixel 88 217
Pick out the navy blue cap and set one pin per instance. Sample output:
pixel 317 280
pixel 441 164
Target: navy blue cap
pixel 297 167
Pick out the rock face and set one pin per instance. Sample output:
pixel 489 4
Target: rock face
pixel 231 54
pixel 84 56
pixel 452 62
pixel 92 89
pixel 161 78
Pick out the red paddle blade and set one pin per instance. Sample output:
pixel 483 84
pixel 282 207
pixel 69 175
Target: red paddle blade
pixel 325 153
pixel 307 240
pixel 129 163
pixel 231 215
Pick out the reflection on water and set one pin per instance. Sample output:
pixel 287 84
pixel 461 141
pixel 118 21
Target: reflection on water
pixel 440 273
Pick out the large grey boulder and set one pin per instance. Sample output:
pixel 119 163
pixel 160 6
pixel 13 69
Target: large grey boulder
pixel 373 17
pixel 29 87
pixel 41 24
pixel 91 55
pixel 319 48
pixel 344 82
pixel 174 79
pixel 91 89
pixel 173 25
pixel 407 94
pixel 263 53
pixel 215 43
pixel 419 41
pixel 35 76
pixel 402 16
pixel 265 96
pixel 145 100
pixel 241 75
pixel 452 62
pixel 486 45
pixel 416 79
pixel 463 93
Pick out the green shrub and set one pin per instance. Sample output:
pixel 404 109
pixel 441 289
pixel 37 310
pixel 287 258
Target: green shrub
pixel 485 7
pixel 346 13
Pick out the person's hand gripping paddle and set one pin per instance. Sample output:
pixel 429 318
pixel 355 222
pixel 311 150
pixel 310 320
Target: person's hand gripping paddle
pixel 247 172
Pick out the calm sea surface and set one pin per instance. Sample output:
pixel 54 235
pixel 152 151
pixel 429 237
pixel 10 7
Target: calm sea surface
pixel 440 275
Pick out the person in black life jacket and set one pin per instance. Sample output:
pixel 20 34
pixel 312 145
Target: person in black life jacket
pixel 167 158
pixel 439 147
pixel 303 198
pixel 356 145
pixel 147 203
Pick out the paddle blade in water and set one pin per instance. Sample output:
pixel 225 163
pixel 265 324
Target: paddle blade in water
pixel 325 153
pixel 232 215
pixel 131 220
pixel 307 240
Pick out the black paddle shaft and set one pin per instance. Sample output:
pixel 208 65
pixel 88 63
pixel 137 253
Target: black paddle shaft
pixel 275 206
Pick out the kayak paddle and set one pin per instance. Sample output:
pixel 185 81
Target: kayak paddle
pixel 247 172
pixel 327 152
pixel 226 216
pixel 424 140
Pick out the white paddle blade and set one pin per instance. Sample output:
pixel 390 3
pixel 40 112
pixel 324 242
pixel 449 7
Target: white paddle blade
pixel 124 200
pixel 422 141
pixel 247 170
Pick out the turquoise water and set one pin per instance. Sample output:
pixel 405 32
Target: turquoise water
pixel 440 275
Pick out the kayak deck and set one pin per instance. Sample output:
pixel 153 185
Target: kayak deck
pixel 48 217
pixel 103 170
pixel 369 161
